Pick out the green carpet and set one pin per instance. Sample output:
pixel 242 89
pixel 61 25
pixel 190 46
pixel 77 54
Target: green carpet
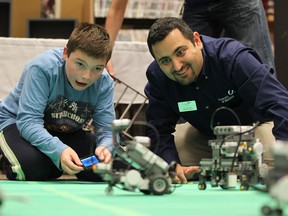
pixel 89 199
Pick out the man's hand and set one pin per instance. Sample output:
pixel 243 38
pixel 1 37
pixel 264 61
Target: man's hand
pixel 103 154
pixel 70 162
pixel 184 173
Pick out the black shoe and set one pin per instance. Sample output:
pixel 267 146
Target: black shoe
pixel 3 164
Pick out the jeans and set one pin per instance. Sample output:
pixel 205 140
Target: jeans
pixel 243 20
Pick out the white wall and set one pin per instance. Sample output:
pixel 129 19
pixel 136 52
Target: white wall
pixel 130 60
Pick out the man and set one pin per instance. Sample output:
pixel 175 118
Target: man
pixel 193 75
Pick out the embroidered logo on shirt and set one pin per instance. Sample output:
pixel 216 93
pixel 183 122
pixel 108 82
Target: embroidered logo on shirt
pixel 187 106
pixel 230 95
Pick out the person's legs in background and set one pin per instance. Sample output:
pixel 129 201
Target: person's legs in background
pixel 246 22
pixel 200 18
pixel 242 20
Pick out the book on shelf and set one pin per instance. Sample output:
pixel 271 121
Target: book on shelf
pixel 143 8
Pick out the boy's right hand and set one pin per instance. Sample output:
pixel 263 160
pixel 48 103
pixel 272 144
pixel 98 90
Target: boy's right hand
pixel 70 162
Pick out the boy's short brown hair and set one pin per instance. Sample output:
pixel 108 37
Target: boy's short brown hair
pixel 91 39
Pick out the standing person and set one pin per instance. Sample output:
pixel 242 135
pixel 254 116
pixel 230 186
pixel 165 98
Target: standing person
pixel 242 20
pixel 194 75
pixel 60 90
pixel 113 23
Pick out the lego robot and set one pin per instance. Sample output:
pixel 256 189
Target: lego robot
pixel 277 182
pixel 146 171
pixel 1 197
pixel 236 155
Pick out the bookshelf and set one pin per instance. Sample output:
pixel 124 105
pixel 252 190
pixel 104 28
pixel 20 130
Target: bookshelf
pixel 142 8
pixel 139 16
pixel 16 13
pixel 50 28
pixel 5 7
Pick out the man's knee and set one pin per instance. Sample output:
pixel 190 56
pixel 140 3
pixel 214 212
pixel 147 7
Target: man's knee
pixel 191 145
pixel 264 133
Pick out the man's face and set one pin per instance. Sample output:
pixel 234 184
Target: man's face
pixel 179 58
pixel 81 69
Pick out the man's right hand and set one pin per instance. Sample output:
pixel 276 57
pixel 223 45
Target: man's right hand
pixel 184 173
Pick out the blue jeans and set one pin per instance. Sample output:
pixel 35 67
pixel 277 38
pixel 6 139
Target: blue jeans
pixel 243 20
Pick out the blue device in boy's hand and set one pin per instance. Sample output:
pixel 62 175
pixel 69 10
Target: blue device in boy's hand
pixel 89 161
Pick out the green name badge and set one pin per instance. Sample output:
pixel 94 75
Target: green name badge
pixel 187 106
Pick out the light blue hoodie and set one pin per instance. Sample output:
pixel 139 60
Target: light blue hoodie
pixel 43 98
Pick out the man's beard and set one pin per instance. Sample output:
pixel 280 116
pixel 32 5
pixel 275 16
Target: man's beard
pixel 187 80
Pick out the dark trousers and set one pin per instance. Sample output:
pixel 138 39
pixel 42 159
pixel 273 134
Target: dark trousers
pixel 242 20
pixel 26 162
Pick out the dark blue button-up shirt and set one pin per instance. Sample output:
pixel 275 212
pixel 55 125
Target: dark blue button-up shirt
pixel 232 76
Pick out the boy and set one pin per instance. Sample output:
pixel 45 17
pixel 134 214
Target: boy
pixel 41 120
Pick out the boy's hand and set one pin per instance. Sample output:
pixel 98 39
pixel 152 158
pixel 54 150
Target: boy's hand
pixel 70 162
pixel 103 154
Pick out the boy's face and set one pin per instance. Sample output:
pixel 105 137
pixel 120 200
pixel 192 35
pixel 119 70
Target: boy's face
pixel 81 69
pixel 178 57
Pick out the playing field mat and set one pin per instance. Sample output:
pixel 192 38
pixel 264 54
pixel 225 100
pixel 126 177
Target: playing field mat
pixel 71 198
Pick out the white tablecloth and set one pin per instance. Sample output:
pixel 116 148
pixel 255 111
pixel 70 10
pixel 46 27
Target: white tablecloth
pixel 130 60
